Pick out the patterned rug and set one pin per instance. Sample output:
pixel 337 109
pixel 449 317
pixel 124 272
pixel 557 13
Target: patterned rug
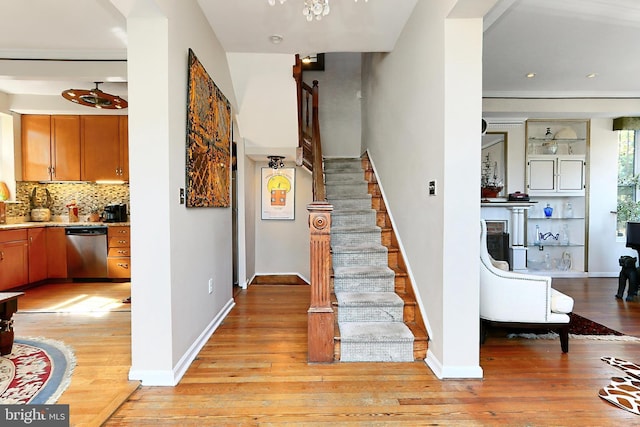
pixel 37 371
pixel 579 328
pixel 624 392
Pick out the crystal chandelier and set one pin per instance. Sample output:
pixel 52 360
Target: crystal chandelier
pixel 312 8
pixel 315 9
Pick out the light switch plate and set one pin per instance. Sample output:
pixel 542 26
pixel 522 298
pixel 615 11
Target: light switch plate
pixel 432 188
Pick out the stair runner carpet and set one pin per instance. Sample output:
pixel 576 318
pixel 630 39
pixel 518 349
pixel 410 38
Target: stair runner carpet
pixel 370 313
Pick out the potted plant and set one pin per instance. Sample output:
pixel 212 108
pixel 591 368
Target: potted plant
pixel 628 210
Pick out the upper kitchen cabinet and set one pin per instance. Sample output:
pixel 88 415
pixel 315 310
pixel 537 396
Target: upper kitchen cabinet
pixel 50 148
pixel 124 147
pixel 104 148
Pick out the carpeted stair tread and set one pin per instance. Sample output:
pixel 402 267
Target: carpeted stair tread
pixel 346 190
pixel 350 235
pixel 362 271
pixel 333 165
pixel 353 218
pixel 345 176
pixel 349 197
pixel 364 299
pixel 369 307
pixel 375 332
pixel 354 211
pixel 358 248
pixel 355 229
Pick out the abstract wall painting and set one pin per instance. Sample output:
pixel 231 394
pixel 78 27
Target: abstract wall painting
pixel 208 167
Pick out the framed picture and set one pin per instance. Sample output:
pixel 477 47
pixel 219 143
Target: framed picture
pixel 278 193
pixel 208 166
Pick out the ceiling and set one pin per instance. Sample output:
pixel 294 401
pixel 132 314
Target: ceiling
pixel 560 41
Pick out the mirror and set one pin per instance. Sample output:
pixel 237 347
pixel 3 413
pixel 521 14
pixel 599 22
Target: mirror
pixel 493 181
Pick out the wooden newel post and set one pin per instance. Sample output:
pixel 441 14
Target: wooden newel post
pixel 320 314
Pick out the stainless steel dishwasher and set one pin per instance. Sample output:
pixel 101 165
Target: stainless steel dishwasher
pixel 86 252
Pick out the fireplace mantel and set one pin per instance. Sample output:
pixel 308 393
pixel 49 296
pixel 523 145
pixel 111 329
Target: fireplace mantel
pixel 513 213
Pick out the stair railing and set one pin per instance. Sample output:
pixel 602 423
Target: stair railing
pixel 320 316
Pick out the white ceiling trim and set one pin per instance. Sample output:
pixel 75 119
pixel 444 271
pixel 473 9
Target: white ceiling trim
pixel 62 54
pixel 561 95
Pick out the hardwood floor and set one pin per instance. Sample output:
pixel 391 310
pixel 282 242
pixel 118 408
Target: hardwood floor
pixel 253 371
pixel 89 318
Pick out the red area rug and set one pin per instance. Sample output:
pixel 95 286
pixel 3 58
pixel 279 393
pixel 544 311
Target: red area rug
pixel 579 325
pixel 37 371
pixel 579 328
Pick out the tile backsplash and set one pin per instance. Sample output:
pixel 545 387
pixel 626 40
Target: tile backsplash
pixel 88 196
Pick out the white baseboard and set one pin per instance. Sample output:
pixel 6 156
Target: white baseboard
pixel 603 274
pixel 452 372
pixel 172 377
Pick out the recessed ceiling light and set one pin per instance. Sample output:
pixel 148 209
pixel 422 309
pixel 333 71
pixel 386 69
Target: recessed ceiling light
pixel 276 39
pixel 592 75
pixel 531 75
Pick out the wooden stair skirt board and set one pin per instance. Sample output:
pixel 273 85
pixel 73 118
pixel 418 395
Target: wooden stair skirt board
pixel 377 317
pixel 278 279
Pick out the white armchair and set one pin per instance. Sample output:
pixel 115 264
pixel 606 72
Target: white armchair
pixel 520 300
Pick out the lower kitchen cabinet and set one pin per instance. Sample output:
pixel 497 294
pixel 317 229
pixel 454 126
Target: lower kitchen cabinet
pixel 119 255
pixel 37 238
pixel 14 258
pixel 56 253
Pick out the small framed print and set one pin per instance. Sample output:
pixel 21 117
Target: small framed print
pixel 278 193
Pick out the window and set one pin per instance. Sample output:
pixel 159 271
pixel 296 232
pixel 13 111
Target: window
pixel 628 170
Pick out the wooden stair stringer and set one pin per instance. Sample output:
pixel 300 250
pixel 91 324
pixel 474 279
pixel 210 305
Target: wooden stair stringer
pixel 403 286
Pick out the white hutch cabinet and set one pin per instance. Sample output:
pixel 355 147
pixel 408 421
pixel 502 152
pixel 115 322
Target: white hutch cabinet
pixel 556 176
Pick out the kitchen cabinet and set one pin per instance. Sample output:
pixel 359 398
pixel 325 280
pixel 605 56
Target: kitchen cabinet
pixel 124 147
pixel 14 259
pixel 104 148
pixel 50 147
pixel 119 253
pixel 37 239
pixel 557 152
pixel 56 253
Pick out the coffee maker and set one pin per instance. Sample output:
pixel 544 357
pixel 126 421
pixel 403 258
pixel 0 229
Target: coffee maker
pixel 115 213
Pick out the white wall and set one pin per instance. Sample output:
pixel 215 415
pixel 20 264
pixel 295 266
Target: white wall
pixel 5 102
pixel 339 88
pixel 603 250
pixel 7 153
pixel 175 250
pixel 422 109
pixel 267 102
pixel 282 246
pixel 252 211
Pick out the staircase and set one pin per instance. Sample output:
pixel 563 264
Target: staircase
pixel 376 317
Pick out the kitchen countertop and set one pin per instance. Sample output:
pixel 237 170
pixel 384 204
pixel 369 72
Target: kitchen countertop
pixel 35 224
